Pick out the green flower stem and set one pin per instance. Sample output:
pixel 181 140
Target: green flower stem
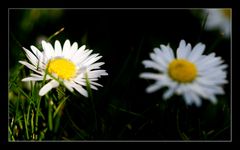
pixel 26 125
pixel 32 123
pixel 28 112
pixel 50 118
pixel 26 120
pixel 37 113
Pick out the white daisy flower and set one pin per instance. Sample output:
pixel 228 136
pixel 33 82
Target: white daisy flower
pixel 190 74
pixel 68 64
pixel 219 19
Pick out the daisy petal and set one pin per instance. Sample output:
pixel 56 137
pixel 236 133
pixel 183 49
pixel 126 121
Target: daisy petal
pixel 151 76
pixel 58 48
pixel 68 85
pixel 83 82
pixel 33 68
pixel 169 93
pixel 213 99
pixel 79 51
pixel 50 47
pixel 97 84
pixel 161 62
pixel 31 57
pixel 181 50
pixel 71 51
pixel 168 53
pixel 152 64
pixel 48 51
pixel 97 73
pixel 196 99
pixel 37 52
pixel 32 79
pixel 80 89
pixel 159 56
pixel 196 52
pixel 187 98
pixel 152 88
pixel 74 47
pixel 82 48
pixel 95 65
pixel 46 88
pixel 93 58
pixel 77 58
pixel 66 48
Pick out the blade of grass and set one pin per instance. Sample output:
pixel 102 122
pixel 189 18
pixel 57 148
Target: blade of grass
pixel 135 119
pixel 26 126
pixel 15 39
pixel 42 134
pixel 216 42
pixel 28 112
pixel 220 131
pixel 32 123
pixel 126 111
pixel 45 75
pixel 11 136
pixel 60 106
pixel 81 133
pixel 24 93
pixel 202 27
pixel 60 93
pixel 18 113
pixel 38 99
pixel 138 53
pixel 55 34
pixel 57 114
pixel 57 122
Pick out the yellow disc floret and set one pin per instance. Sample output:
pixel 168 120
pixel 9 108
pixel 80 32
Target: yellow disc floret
pixel 63 68
pixel 182 70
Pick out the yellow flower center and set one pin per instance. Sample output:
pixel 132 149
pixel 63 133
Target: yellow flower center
pixel 63 68
pixel 182 70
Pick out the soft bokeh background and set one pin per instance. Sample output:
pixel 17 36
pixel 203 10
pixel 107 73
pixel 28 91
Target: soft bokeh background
pixel 125 37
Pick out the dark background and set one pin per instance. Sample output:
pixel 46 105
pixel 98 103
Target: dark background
pixel 125 37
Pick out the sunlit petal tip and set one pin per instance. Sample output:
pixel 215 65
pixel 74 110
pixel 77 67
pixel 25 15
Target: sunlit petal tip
pixel 182 43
